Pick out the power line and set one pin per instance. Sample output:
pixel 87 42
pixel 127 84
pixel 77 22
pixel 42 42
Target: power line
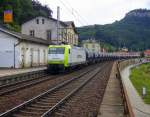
pixel 71 12
pixel 77 12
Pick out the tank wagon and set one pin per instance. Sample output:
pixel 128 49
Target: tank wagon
pixel 61 57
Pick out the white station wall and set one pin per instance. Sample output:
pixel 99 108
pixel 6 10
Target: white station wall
pixel 26 54
pixel 7 50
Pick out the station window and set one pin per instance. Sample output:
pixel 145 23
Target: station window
pixel 32 33
pixel 93 46
pixel 43 21
pixel 49 35
pixel 37 21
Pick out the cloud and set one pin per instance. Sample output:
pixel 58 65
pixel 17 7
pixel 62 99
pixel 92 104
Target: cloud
pixel 95 11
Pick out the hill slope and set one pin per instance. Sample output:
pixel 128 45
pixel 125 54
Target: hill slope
pixel 133 31
pixel 23 10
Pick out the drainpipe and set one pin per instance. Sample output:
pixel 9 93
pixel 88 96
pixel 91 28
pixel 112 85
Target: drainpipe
pixel 15 52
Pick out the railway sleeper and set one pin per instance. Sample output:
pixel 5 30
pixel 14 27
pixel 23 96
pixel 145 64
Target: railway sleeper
pixel 41 106
pixel 66 107
pixel 55 98
pixel 56 94
pixel 19 115
pixel 27 113
pixel 61 113
pixel 36 109
pixel 48 100
pixel 62 110
pixel 57 114
pixel 42 103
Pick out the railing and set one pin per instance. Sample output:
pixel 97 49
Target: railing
pixel 126 102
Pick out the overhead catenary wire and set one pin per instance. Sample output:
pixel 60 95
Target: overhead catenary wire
pixel 70 10
pixel 81 16
pixel 73 9
pixel 82 21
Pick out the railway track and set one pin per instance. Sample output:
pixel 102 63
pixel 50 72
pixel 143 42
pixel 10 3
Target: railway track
pixel 15 86
pixel 86 102
pixel 45 103
pixel 17 97
pixel 9 88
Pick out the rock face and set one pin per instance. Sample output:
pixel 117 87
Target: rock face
pixel 139 13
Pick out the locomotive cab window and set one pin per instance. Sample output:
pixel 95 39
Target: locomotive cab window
pixel 56 50
pixel 69 51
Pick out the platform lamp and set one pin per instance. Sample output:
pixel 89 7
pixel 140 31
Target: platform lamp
pixel 144 91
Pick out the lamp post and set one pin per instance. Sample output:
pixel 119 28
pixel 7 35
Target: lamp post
pixel 144 92
pixel 58 18
pixel 15 52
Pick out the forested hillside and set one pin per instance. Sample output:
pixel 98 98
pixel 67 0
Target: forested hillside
pixel 23 10
pixel 133 31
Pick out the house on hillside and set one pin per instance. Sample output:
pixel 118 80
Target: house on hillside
pixel 92 45
pixel 46 28
pixel 147 53
pixel 18 50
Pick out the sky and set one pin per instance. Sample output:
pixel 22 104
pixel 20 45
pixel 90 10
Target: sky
pixel 89 12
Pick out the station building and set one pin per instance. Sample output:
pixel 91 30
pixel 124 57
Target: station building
pixel 30 47
pixel 19 50
pixel 46 28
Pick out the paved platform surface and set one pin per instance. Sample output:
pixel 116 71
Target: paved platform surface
pixel 8 72
pixel 112 102
pixel 140 109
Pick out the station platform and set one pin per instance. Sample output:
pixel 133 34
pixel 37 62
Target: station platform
pixel 112 105
pixel 9 72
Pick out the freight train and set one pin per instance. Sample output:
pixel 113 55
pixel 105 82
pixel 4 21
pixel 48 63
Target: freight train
pixel 62 57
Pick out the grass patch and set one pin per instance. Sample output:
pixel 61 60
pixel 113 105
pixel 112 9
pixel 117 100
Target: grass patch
pixel 140 76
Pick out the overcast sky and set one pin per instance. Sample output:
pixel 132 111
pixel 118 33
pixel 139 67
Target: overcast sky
pixel 88 12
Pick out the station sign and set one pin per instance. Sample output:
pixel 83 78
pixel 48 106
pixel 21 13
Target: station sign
pixel 8 16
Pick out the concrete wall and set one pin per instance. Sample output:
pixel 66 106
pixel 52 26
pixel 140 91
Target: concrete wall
pixel 124 64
